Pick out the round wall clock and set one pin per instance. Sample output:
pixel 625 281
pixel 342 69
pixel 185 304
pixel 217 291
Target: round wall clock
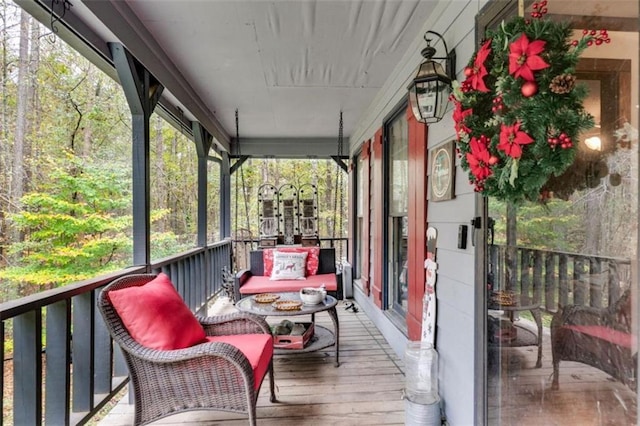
pixel 442 172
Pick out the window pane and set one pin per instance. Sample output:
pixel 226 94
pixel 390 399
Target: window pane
pixel 563 273
pixel 397 137
pixel 174 190
pixel 65 164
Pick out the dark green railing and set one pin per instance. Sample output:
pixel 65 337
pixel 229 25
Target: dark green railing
pixel 65 366
pixel 555 278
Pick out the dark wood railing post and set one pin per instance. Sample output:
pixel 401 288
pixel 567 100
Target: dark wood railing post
pixel 58 367
pixel 613 282
pixel 538 261
pixel 27 368
pixel 563 281
pixel 525 272
pixel 578 281
pixel 549 280
pixel 596 282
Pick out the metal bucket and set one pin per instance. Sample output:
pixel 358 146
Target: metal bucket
pixel 416 414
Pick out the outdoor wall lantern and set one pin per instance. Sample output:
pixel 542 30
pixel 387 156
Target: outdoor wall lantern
pixel 430 89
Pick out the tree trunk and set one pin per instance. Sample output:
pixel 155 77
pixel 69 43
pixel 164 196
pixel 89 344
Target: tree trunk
pixel 93 93
pixel 34 116
pixel 18 175
pixel 160 185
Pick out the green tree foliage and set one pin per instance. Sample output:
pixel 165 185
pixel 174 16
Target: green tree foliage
pixel 74 226
pixel 556 225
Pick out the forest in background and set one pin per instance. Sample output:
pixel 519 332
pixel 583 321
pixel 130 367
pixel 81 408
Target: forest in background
pixel 65 170
pixel 65 177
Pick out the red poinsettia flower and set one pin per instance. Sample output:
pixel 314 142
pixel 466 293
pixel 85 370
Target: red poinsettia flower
pixel 524 59
pixel 512 139
pixel 480 159
pixel 476 73
pixel 458 117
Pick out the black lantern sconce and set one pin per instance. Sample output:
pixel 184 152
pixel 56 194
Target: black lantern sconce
pixel 430 89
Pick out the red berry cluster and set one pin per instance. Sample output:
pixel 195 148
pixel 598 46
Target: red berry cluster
pixel 498 106
pixel 561 140
pixel 465 86
pixel 595 37
pixel 539 9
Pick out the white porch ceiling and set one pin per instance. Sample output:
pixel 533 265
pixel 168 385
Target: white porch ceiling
pixel 289 67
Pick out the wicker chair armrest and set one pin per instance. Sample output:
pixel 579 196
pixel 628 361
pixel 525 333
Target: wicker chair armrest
pixel 241 277
pixel 205 350
pixel 235 323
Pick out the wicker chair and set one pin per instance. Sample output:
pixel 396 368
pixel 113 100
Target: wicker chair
pixel 208 376
pixel 599 337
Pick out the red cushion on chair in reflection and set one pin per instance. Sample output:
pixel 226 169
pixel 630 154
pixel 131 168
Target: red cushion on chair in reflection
pixel 156 316
pixel 604 333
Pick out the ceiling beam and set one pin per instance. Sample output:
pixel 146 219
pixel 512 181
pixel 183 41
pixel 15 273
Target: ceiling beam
pixel 118 17
pixel 287 147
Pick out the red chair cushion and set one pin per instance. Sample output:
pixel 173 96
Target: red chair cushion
pixel 156 316
pixel 604 333
pixel 258 348
pixel 259 284
pixel 313 258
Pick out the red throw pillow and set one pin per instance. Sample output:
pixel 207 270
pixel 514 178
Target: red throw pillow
pixel 156 316
pixel 313 258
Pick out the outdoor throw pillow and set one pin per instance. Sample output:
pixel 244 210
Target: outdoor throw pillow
pixel 156 316
pixel 288 266
pixel 313 258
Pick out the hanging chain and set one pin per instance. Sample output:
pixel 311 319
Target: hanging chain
pixel 244 187
pixel 339 193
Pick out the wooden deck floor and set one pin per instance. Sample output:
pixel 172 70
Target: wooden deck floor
pixel 522 395
pixel 367 389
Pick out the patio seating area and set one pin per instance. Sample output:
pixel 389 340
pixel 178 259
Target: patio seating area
pixel 366 388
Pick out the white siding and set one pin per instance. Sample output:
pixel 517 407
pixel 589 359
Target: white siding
pixel 455 20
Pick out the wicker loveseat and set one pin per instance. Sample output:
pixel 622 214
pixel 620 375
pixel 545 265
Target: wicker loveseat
pixel 253 280
pixel 601 338
pixel 223 372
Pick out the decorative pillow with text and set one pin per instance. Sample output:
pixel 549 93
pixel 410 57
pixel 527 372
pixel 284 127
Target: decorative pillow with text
pixel 313 258
pixel 288 266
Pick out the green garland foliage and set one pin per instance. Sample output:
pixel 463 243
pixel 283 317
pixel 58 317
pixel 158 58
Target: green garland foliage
pixel 519 112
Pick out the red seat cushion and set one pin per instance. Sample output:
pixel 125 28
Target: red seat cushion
pixel 604 333
pixel 259 284
pixel 156 316
pixel 258 348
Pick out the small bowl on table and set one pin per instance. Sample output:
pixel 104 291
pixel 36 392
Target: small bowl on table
pixel 312 296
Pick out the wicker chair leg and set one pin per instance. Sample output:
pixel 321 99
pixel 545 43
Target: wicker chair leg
pixel 555 385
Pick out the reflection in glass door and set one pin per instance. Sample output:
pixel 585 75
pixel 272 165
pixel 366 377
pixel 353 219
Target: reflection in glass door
pixel 562 271
pixel 397 137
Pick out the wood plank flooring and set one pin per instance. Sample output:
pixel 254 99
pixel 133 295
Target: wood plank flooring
pixel 366 389
pixel 522 395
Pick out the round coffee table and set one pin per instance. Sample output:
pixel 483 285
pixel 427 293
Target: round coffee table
pixel 322 338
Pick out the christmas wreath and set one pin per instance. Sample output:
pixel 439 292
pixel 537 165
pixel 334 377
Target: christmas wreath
pixel 519 111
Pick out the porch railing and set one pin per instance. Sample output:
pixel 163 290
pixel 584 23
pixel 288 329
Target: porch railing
pixel 555 278
pixel 65 366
